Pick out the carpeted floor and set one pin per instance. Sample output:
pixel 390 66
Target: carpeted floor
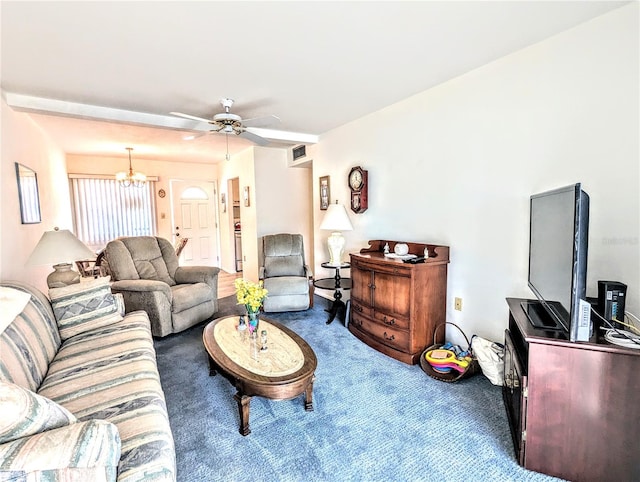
pixel 374 419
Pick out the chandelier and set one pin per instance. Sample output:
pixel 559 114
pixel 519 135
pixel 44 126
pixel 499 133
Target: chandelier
pixel 127 179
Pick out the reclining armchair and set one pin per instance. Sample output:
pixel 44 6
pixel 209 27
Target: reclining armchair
pixel 286 277
pixel 145 270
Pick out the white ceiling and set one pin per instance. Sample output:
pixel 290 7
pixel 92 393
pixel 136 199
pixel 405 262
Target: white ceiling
pixel 316 65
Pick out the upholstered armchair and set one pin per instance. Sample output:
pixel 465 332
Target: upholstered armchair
pixel 286 277
pixel 145 270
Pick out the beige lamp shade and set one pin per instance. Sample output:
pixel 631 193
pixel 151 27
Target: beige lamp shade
pixel 336 220
pixel 60 248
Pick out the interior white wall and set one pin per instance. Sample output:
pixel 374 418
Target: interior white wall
pixel 279 201
pixel 24 142
pixel 239 166
pixel 283 197
pixel 456 165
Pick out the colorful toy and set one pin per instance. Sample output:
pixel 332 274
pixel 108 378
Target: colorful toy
pixel 441 359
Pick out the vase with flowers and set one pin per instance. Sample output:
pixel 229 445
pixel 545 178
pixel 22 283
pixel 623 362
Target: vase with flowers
pixel 251 295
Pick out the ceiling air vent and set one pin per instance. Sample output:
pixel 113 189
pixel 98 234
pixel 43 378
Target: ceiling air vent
pixel 299 152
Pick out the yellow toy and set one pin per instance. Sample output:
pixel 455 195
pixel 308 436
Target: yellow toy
pixel 440 358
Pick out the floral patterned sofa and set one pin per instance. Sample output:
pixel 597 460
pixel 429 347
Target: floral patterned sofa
pixel 80 393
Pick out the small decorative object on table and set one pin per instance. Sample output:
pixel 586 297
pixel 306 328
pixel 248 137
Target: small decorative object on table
pixel 251 295
pixel 242 328
pixel 263 340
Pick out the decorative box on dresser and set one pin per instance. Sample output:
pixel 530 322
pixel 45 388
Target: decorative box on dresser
pixel 573 408
pixel 396 306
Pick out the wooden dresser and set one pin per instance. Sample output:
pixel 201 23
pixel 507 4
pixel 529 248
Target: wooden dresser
pixel 396 306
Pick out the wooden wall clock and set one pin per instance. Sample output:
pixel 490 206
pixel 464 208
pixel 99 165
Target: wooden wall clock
pixel 359 185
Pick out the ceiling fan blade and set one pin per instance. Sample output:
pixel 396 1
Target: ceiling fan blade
pixel 191 137
pixel 261 121
pixel 255 138
pixel 192 117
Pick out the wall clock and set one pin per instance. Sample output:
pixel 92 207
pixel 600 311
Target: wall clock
pixel 359 184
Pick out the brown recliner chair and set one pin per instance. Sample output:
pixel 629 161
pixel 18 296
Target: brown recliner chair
pixel 145 270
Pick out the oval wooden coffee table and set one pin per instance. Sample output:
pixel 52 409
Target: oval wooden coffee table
pixel 282 372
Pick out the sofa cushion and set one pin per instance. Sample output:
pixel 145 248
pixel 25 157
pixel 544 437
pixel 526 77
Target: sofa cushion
pixel 13 301
pixel 83 451
pixel 119 299
pixel 30 342
pixel 24 413
pixel 84 306
pixel 110 373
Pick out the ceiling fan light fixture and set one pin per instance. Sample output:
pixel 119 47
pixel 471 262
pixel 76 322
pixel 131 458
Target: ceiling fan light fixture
pixel 228 123
pixel 131 178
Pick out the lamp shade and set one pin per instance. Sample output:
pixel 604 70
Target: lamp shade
pixel 336 219
pixel 60 248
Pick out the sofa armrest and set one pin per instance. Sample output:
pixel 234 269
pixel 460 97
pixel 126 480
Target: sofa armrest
pixel 81 451
pixel 198 274
pixel 307 270
pixel 261 273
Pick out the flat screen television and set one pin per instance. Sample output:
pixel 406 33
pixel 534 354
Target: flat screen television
pixel 558 241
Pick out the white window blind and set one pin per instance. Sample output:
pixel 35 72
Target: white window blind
pixel 104 211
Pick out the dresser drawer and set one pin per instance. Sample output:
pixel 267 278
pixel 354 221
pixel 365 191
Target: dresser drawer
pixel 394 322
pixel 392 337
pixel 358 306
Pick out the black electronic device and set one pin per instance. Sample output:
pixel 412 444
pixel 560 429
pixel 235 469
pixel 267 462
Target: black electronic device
pixel 558 240
pixel 611 298
pixel 416 260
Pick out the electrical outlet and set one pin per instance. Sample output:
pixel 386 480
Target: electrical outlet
pixel 457 304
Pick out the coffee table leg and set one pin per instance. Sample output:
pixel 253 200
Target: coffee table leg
pixel 243 407
pixel 308 396
pixel 213 369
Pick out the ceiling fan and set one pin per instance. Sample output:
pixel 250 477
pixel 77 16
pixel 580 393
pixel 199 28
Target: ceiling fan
pixel 229 123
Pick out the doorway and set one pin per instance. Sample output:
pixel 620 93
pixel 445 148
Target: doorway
pixel 193 216
pixel 236 219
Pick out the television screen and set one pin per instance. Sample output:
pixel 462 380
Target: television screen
pixel 559 223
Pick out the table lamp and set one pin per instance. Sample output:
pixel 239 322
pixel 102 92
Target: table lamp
pixel 59 248
pixel 336 220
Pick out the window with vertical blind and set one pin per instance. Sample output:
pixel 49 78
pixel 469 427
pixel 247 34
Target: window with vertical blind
pixel 103 210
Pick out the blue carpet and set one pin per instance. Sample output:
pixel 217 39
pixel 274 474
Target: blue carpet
pixel 374 418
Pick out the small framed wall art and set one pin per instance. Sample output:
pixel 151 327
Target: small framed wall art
pixel 223 201
pixel 247 203
pixel 325 193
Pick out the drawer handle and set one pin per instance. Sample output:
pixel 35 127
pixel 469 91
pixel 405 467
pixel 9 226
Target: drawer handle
pixel 390 322
pixel 358 308
pixel 357 322
pixel 387 337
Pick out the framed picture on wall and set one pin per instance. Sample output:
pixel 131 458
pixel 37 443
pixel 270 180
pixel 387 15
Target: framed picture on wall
pixel 325 193
pixel 223 201
pixel 246 196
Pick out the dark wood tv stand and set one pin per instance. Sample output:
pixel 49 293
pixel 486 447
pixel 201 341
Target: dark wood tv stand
pixel 573 408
